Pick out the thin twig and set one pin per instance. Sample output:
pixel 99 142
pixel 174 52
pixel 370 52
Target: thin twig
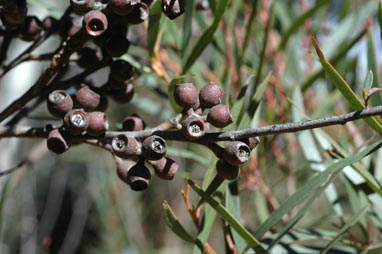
pixel 30 132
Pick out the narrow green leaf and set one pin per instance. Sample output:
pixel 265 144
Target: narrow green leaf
pixel 309 187
pixel 222 211
pixel 212 187
pixel 380 17
pixel 212 4
pixel 187 25
pixel 347 226
pixel 174 224
pixel 300 21
pixel 207 36
pixel 345 89
pixel 368 83
pixel 373 66
pixel 154 25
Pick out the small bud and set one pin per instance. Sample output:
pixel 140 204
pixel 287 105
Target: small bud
pixel 125 147
pixel 165 168
pixel 95 23
pixel 59 103
pixel 154 148
pixel 226 170
pixel 48 22
pixel 186 95
pixel 252 142
pixel 133 123
pixel 193 128
pixel 211 95
pixel 139 177
pixel 58 142
pixel 236 153
pixel 87 98
pixel 31 30
pixel 76 121
pixel 98 123
pixel 219 116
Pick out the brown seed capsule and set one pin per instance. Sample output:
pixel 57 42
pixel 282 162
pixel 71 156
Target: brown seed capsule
pixel 165 168
pixel 121 70
pixel 154 148
pixel 31 30
pixel 76 121
pixel 87 57
pixel 210 95
pixel 219 116
pixel 236 153
pixel 125 147
pixel 87 98
pixel 117 45
pixel 58 142
pixel 252 142
pixel 138 14
pixel 103 104
pixel 59 103
pixel 173 8
pixel 98 123
pixel 193 128
pixel 122 95
pixel 69 26
pixel 123 168
pixel 226 170
pixel 122 7
pixel 48 22
pixel 95 23
pixel 133 123
pixel 139 177
pixel 14 12
pixel 186 95
pixel 81 6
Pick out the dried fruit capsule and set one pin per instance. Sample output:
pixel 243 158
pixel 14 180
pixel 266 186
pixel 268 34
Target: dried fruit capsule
pixel 122 95
pixel 81 6
pixel 210 95
pixel 87 57
pixel 59 103
pixel 121 70
pixel 186 95
pixel 138 14
pixel 31 30
pixel 95 23
pixel 87 98
pixel 48 22
pixel 133 123
pixel 123 168
pixel 98 123
pixel 236 153
pixel 165 168
pixel 103 104
pixel 252 142
pixel 117 45
pixel 226 170
pixel 58 142
pixel 14 12
pixel 154 148
pixel 125 147
pixel 139 176
pixel 173 8
pixel 193 128
pixel 76 121
pixel 69 26
pixel 219 116
pixel 122 7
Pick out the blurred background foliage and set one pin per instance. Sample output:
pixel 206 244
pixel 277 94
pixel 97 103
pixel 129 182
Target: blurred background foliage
pixel 261 52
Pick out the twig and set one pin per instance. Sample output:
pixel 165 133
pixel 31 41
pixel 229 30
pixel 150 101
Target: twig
pixel 30 132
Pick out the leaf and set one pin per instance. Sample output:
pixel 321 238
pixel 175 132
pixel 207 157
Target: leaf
pixel 347 226
pixel 222 211
pixel 368 83
pixel 174 224
pixel 345 89
pixel 207 36
pixel 153 28
pixel 309 187
pixel 300 21
pixel 187 25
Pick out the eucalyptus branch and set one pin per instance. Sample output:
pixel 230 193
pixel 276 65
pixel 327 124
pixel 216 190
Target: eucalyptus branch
pixel 30 132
